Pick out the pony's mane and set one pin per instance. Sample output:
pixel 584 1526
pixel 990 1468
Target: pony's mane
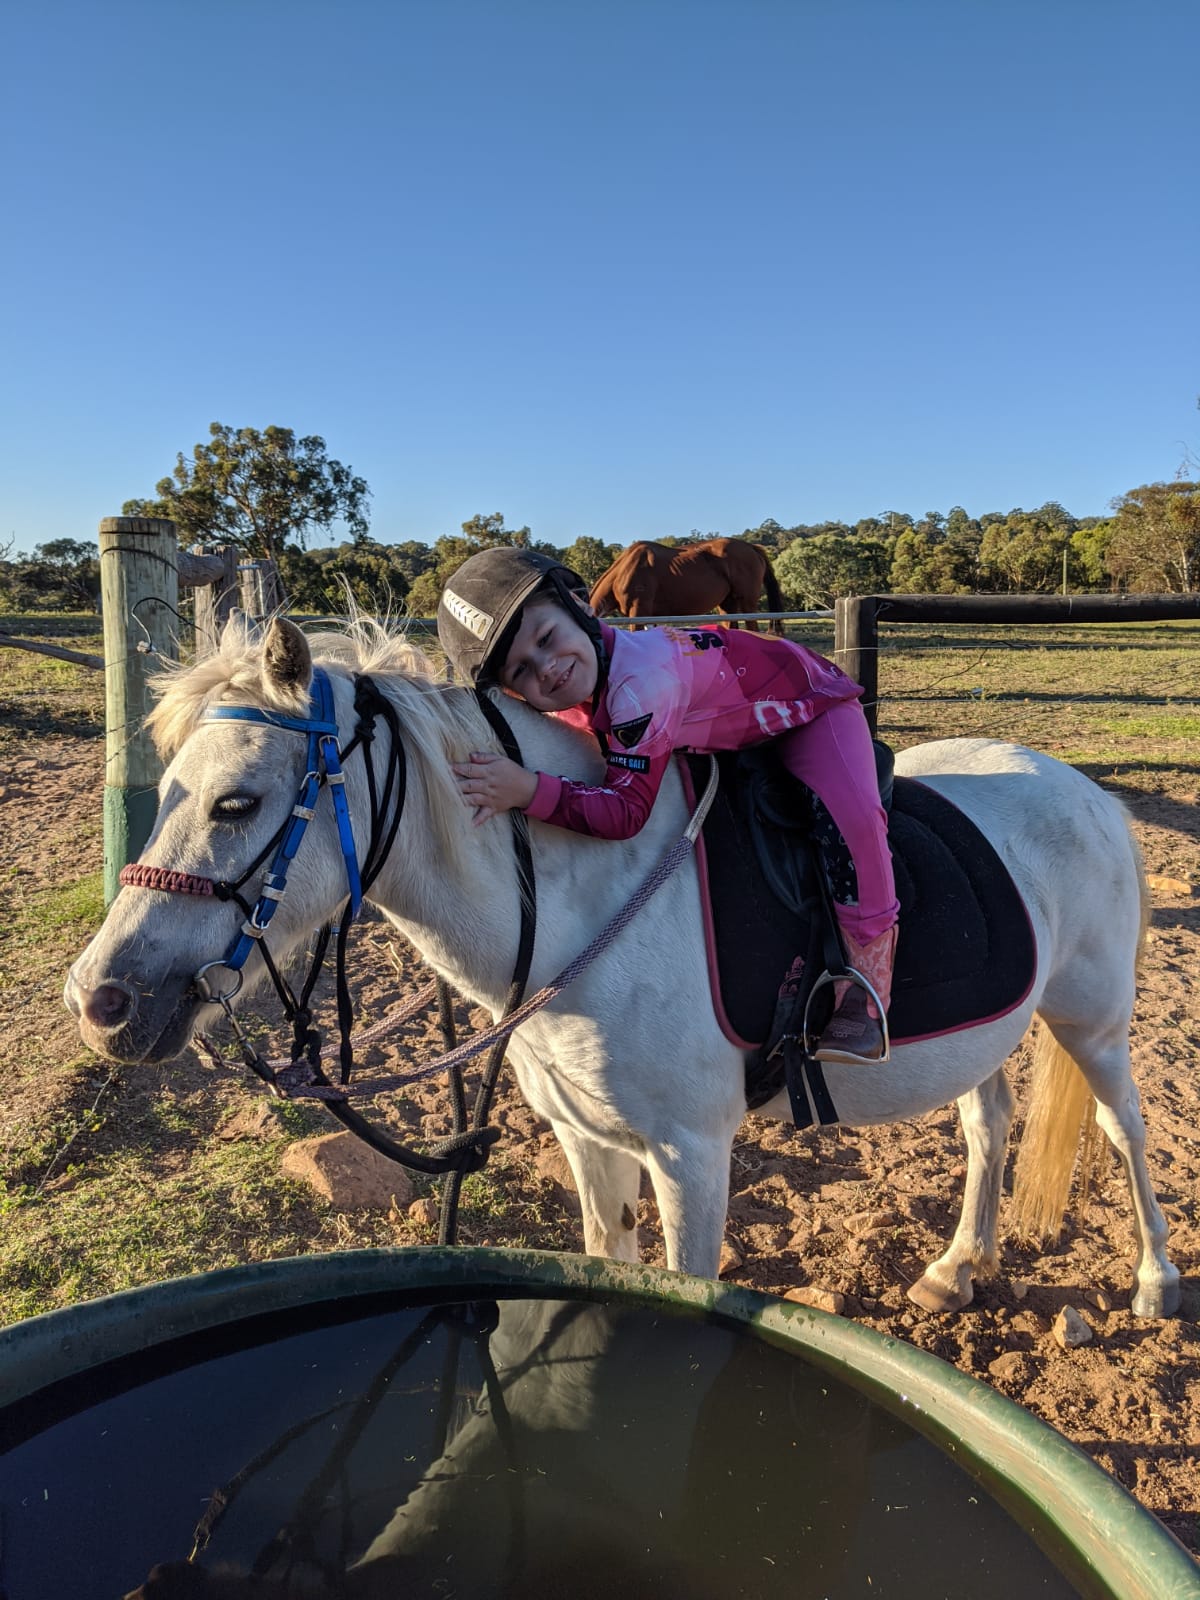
pixel 441 723
pixel 234 671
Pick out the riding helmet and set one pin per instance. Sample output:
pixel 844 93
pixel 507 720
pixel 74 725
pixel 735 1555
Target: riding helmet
pixel 479 612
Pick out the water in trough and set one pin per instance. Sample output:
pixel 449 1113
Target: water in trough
pixel 483 1448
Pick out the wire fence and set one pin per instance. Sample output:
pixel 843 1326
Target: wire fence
pixel 994 667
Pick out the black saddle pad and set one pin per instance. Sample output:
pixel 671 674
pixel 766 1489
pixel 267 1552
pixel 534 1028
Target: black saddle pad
pixel 966 950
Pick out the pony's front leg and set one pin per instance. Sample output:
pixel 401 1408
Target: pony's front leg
pixel 691 1184
pixel 608 1181
pixel 948 1283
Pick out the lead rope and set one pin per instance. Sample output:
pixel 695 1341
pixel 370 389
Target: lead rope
pixel 509 1023
pixel 500 1030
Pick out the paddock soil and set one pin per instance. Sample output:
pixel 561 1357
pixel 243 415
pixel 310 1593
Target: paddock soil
pixel 193 1154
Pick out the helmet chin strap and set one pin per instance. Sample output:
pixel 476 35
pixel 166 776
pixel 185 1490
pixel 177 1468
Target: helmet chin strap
pixel 601 669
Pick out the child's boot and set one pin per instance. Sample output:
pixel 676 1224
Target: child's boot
pixel 856 1034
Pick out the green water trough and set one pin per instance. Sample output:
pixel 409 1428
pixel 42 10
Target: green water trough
pixel 483 1423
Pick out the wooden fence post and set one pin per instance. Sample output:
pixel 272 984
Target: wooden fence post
pixel 139 588
pixel 856 648
pixel 856 636
pixel 216 599
pixel 261 589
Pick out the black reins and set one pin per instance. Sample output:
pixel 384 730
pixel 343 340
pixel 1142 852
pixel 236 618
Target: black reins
pixel 467 1148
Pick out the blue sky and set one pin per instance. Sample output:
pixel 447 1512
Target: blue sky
pixel 612 267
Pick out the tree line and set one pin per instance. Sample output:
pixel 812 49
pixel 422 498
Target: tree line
pixel 271 494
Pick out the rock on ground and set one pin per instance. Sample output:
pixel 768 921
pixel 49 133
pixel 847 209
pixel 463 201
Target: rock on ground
pixel 1070 1329
pixel 348 1173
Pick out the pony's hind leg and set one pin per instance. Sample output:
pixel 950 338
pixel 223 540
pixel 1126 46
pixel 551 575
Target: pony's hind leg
pixel 741 602
pixel 608 1181
pixel 1103 1058
pixel 947 1284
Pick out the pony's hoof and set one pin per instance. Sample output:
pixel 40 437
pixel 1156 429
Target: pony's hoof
pixel 1155 1304
pixel 932 1295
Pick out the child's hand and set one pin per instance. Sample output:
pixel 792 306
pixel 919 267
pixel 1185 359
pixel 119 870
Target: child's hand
pixel 491 784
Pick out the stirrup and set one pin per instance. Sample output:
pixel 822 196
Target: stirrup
pixel 830 1053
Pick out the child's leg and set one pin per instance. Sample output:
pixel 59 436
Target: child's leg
pixel 834 756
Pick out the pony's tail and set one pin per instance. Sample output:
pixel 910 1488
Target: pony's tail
pixel 771 585
pixel 1062 1116
pixel 1061 1110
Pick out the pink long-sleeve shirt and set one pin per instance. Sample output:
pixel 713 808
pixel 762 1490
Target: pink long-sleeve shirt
pixel 699 689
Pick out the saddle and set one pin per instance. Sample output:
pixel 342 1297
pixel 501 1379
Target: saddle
pixel 966 952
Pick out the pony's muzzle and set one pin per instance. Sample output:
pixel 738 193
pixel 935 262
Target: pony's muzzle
pixel 105 1009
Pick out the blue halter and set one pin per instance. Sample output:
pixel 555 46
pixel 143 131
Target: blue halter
pixel 323 766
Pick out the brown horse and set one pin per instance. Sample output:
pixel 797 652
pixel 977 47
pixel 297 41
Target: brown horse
pixel 660 580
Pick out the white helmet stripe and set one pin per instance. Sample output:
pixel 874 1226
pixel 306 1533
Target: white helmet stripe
pixel 478 622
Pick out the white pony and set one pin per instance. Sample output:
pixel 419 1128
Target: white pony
pixel 629 1065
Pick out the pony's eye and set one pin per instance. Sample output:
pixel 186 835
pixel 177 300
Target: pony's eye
pixel 234 807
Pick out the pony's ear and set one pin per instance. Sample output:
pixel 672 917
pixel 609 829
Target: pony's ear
pixel 287 660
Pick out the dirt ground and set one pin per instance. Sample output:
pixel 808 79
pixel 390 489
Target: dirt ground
pixel 855 1213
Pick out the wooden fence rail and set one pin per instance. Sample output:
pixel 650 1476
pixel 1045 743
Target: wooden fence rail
pixel 722 618
pixel 857 619
pixel 142 570
pixel 80 658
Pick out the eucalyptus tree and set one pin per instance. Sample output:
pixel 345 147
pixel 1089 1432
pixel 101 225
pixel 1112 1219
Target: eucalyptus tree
pixel 1155 540
pixel 479 532
pixel 259 489
pixel 814 572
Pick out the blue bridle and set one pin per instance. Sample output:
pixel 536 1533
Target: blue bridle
pixel 466 1150
pixel 323 765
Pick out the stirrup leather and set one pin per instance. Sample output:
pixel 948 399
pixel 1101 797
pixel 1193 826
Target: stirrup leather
pixel 830 1053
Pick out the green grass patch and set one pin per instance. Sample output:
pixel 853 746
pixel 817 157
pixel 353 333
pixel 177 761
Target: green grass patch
pixel 37 925
pixel 1107 664
pixel 43 697
pixel 79 904
pixel 486 1209
pixel 1101 761
pixel 300 1120
pixel 1158 725
pixel 44 1140
pixel 61 627
pixel 26 674
pixel 119 1224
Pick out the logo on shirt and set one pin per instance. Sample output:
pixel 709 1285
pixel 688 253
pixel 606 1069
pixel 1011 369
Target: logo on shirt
pixel 618 758
pixel 631 733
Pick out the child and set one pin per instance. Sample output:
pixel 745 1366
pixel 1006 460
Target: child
pixel 520 619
